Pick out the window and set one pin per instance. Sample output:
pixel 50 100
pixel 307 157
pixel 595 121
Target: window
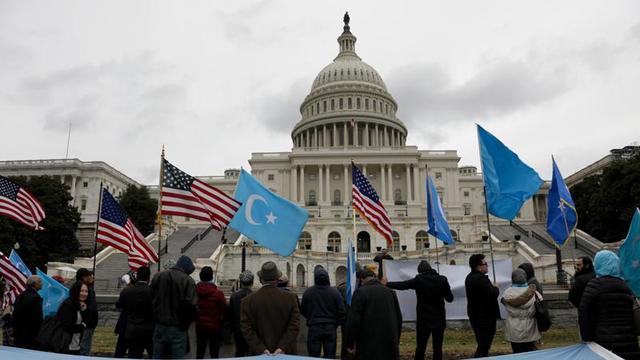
pixel 305 241
pixel 312 110
pixel 397 195
pixel 349 103
pixel 317 108
pixel 438 175
pixel 83 205
pixel 386 108
pixel 396 241
pixel 467 209
pixel 466 194
pixel 312 198
pixel 341 103
pixel 333 104
pixel 85 184
pixel 333 242
pixel 422 240
pixel 358 103
pixel 271 177
pixel 366 104
pixel 324 106
pixel 375 106
pixel 337 198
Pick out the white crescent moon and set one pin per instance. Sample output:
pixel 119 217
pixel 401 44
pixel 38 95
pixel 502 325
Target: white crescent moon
pixel 249 207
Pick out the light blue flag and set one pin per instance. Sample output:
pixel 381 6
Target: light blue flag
pixel 351 272
pixel 561 211
pixel 52 293
pixel 436 219
pixel 272 221
pixel 630 255
pixel 19 264
pixel 508 181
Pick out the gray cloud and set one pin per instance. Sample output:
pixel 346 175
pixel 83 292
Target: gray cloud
pixel 279 112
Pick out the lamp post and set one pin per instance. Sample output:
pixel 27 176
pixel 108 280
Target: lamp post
pixel 459 237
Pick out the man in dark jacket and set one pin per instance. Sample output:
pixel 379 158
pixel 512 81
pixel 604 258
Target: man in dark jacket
pixel 212 308
pixel 136 302
pixel 584 273
pixel 432 290
pixel 27 314
pixel 323 307
pixel 482 304
pixel 270 318
pixel 174 307
pixel 90 315
pixel 246 283
pixel 531 276
pixel 374 321
pixel 605 314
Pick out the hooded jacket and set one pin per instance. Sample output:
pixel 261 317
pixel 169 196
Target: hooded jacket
pixel 174 295
pixel 606 309
pixel 531 276
pixel 212 307
pixel 321 303
pixel 520 325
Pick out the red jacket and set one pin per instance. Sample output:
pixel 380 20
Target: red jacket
pixel 212 307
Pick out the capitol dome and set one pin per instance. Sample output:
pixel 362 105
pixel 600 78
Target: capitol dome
pixel 348 105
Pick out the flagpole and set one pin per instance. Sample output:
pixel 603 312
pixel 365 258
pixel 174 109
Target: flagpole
pixel 95 241
pixel 353 210
pixel 161 180
pixel 486 206
pixel 566 226
pixel 437 256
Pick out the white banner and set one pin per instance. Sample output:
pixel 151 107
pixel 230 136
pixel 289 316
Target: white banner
pixel 456 274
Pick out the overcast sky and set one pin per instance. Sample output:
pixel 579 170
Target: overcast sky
pixel 215 81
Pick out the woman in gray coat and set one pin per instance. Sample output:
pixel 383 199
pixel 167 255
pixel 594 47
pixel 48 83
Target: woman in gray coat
pixel 521 328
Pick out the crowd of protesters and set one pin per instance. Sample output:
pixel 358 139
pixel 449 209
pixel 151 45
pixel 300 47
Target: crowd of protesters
pixel 155 315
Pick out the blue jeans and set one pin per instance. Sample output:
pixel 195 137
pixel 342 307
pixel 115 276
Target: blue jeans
pixel 169 342
pixel 322 337
pixel 85 342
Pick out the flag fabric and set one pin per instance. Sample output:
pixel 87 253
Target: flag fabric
pixel 15 281
pixel 630 255
pixel 115 229
pixel 19 264
pixel 52 293
pixel 184 195
pixel 272 221
pixel 562 216
pixel 367 203
pixel 436 219
pixel 508 181
pixel 18 204
pixel 351 272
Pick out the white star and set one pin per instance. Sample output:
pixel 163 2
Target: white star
pixel 271 219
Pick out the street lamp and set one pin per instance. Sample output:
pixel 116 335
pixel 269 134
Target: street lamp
pixel 16 246
pixel 459 237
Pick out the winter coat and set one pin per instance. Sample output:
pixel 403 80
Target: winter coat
pixel 580 283
pixel 136 303
pixel 520 325
pixel 606 316
pixel 321 303
pixel 68 316
pixel 234 308
pixel 174 295
pixel 90 314
pixel 432 290
pixel 531 276
pixel 27 318
pixel 270 319
pixel 482 298
pixel 212 307
pixel 374 322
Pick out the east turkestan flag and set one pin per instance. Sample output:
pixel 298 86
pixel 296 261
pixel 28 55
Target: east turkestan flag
pixel 561 211
pixel 436 219
pixel 630 255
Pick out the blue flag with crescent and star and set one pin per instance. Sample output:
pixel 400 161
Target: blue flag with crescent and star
pixel 436 220
pixel 270 220
pixel 19 264
pixel 508 181
pixel 52 293
pixel 561 211
pixel 630 255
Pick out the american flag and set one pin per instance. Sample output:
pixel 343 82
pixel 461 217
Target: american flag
pixel 184 195
pixel 19 204
pixel 115 229
pixel 15 280
pixel 368 205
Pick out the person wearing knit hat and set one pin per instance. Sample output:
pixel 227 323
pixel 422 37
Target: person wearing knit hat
pixel 246 283
pixel 520 327
pixel 269 317
pixel 432 290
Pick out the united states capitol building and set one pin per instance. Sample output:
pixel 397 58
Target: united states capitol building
pixel 348 115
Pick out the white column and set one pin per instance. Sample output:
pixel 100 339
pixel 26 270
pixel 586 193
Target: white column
pixel 355 134
pixel 315 136
pixel 335 135
pixel 302 196
pixel 320 183
pixel 346 197
pixel 416 183
pixel 390 182
pixel 377 137
pixel 383 176
pixel 408 183
pixel 366 135
pixel 294 183
pixel 385 140
pixel 325 143
pixel 364 170
pixel 346 134
pixel 328 184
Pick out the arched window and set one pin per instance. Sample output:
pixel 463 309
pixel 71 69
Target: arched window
pixel 305 241
pixel 366 104
pixel 312 198
pixel 300 275
pixel 333 242
pixel 341 103
pixel 324 106
pixel 396 241
pixel 349 103
pixel 422 239
pixel 333 104
pixel 375 105
pixel 397 197
pixel 337 199
pixel 357 103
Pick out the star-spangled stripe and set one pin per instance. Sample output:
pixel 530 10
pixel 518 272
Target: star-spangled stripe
pixel 15 280
pixel 184 195
pixel 19 204
pixel 367 203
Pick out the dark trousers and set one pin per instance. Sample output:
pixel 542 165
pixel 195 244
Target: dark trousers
pixel 484 331
pixel 169 342
pixel 322 337
pixel 211 338
pixel 523 347
pixel 137 346
pixel 423 332
pixel 242 348
pixel 121 347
